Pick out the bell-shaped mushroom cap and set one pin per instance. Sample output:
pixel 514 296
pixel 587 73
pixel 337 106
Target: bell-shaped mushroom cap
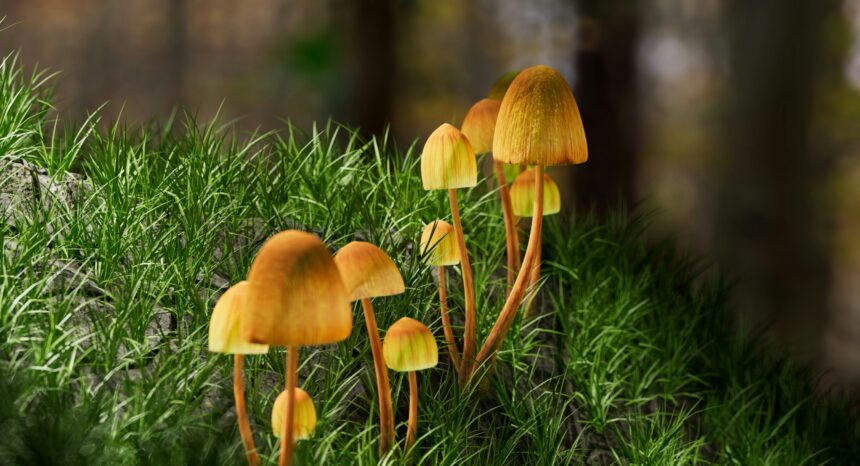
pixel 523 194
pixel 367 271
pixel 304 414
pixel 448 161
pixel 439 244
pixel 409 346
pixel 295 294
pixel 500 87
pixel 539 122
pixel 480 124
pixel 224 336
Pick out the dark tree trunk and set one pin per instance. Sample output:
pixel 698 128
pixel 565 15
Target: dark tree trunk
pixel 605 89
pixel 371 62
pixel 768 229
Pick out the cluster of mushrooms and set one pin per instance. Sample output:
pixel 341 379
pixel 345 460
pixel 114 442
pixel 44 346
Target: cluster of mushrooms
pixel 297 293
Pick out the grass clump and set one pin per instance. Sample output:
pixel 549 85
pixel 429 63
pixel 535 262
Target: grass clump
pixel 106 291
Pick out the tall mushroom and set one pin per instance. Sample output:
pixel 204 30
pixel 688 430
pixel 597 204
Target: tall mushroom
pixel 409 346
pixel 448 162
pixel 479 126
pixel 369 273
pixel 438 246
pixel 295 297
pixel 539 124
pixel 224 337
pixel 304 415
pixel 522 196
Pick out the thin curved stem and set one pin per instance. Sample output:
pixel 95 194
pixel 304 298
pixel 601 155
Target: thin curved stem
pixel 287 442
pixel 533 279
pixel 412 424
pixel 512 241
pixel 383 390
pixel 446 321
pixel 468 360
pixel 242 410
pixel 506 316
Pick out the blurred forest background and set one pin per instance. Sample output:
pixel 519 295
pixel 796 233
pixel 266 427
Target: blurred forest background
pixel 738 121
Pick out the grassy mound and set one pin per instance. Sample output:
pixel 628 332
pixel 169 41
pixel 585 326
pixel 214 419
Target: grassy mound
pixel 117 243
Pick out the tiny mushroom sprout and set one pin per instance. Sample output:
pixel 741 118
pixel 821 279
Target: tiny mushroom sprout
pixel 224 337
pixel 304 415
pixel 409 346
pixel 439 248
pixel 523 195
pixel 539 124
pixel 479 126
pixel 368 272
pixel 295 297
pixel 448 162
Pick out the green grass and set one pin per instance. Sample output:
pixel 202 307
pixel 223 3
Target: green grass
pixel 104 306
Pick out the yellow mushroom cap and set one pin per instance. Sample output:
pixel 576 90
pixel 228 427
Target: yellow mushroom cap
pixel 304 414
pixel 409 346
pixel 295 294
pixel 523 194
pixel 224 336
pixel 367 271
pixel 539 122
pixel 500 87
pixel 448 161
pixel 480 124
pixel 439 244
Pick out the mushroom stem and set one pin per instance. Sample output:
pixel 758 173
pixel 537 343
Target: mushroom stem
pixel 533 279
pixel 287 442
pixel 446 321
pixel 242 412
pixel 468 360
pixel 383 390
pixel 506 316
pixel 412 424
pixel 511 239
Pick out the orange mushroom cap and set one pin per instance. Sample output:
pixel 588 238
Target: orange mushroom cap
pixel 480 124
pixel 367 271
pixel 500 87
pixel 539 122
pixel 304 414
pixel 295 294
pixel 439 244
pixel 409 346
pixel 224 336
pixel 448 161
pixel 523 194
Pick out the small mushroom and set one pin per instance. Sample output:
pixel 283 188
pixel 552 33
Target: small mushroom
pixel 409 347
pixel 479 126
pixel 304 415
pixel 448 162
pixel 539 124
pixel 500 87
pixel 438 246
pixel 369 273
pixel 295 297
pixel 523 195
pixel 224 337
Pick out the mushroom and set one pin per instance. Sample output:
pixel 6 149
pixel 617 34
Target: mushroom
pixel 539 124
pixel 224 337
pixel 304 414
pixel 438 246
pixel 448 162
pixel 369 273
pixel 479 126
pixel 295 297
pixel 500 87
pixel 522 195
pixel 409 346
